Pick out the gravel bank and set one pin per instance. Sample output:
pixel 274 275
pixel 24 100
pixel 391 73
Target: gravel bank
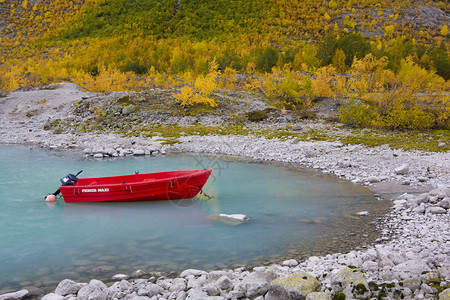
pixel 411 261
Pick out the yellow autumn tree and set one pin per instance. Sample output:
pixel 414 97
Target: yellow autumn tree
pixel 338 61
pixel 199 92
pixel 107 79
pixel 321 85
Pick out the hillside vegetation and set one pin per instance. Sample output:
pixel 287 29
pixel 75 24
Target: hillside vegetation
pixel 388 59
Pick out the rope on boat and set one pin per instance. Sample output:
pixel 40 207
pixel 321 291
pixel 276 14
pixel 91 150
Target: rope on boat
pixel 206 195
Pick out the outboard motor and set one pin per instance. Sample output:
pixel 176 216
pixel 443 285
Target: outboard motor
pixel 69 179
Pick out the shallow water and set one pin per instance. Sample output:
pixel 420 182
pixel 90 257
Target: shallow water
pixel 293 213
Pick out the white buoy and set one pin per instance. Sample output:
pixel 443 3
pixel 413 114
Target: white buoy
pixel 50 198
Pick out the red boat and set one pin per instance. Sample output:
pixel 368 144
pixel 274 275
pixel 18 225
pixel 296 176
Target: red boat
pixel 172 185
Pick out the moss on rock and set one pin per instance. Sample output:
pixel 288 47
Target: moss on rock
pixel 293 286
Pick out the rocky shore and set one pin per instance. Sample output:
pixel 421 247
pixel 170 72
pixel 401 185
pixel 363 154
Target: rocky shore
pixel 410 261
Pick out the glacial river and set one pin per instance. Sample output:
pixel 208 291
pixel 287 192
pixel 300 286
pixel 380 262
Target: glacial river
pixel 293 212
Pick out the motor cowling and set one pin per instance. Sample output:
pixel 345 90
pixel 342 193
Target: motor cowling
pixel 69 179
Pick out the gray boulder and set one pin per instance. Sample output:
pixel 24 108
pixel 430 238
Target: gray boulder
pixel 95 290
pixel 129 109
pixel 120 277
pixel 373 179
pixel 412 283
pixel 411 268
pixel 153 290
pixel 193 272
pixel 352 282
pixel 87 151
pixel 420 209
pixel 436 210
pixel 290 263
pixel 67 287
pixel 402 170
pixel 120 289
pixel 52 296
pixel 445 295
pixel 178 285
pixel 211 289
pixel 224 283
pixel 139 152
pixel 445 203
pixel 16 295
pixel 257 283
pixel 293 286
pixel 318 296
pixel 199 294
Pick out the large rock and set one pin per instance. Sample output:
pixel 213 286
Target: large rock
pixel 411 268
pixel 178 285
pixel 373 179
pixel 139 152
pixel 120 289
pixel 67 287
pixel 224 283
pixel 351 281
pixel 293 286
pixel 95 290
pixel 318 296
pixel 52 296
pixel 436 210
pixel 129 109
pixel 153 290
pixel 445 295
pixel 290 263
pixel 402 170
pixel 15 296
pixel 445 203
pixel 199 294
pixel 193 272
pixel 412 283
pixel 257 283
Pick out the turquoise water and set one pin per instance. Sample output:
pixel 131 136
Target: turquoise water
pixel 293 212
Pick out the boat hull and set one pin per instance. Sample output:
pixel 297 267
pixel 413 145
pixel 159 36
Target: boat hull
pixel 172 185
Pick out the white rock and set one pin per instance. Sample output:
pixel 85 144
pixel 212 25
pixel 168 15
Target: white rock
pixel 120 277
pixel 16 295
pixel 436 210
pixel 411 268
pixel 363 213
pixel 139 152
pixel 100 150
pixel 402 170
pixel 373 179
pixel 423 198
pixel 445 203
pixel 52 296
pixel 193 272
pixel 87 151
pixel 94 290
pixel 138 273
pixel 419 209
pixel 224 283
pixel 178 285
pixel 290 263
pixel 98 155
pixel 67 287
